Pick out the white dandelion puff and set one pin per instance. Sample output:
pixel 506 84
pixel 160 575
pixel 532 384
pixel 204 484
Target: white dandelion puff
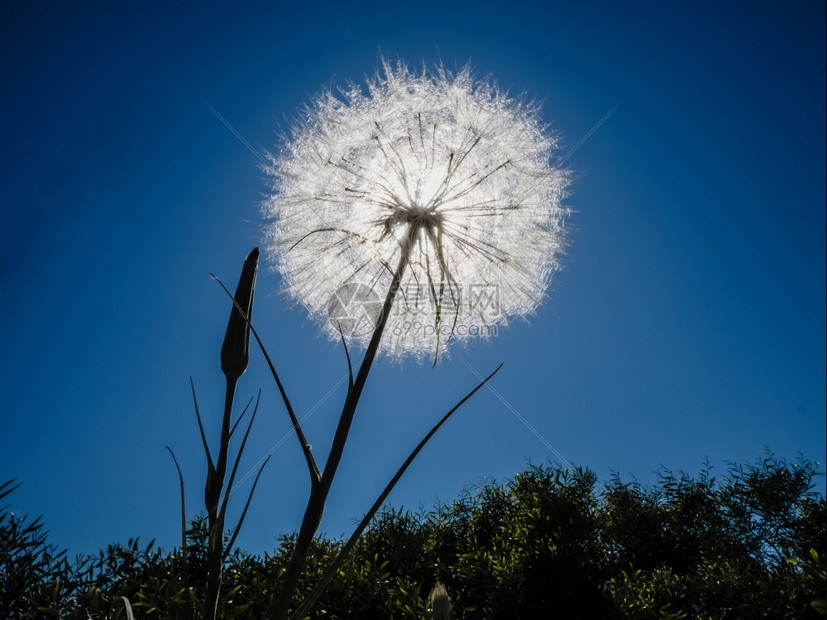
pixel 437 177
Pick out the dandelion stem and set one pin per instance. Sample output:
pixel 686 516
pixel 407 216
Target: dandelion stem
pixel 318 493
pixel 215 517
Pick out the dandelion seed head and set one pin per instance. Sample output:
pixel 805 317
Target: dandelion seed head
pixel 442 168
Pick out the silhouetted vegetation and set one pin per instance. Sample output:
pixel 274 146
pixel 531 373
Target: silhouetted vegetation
pixel 549 543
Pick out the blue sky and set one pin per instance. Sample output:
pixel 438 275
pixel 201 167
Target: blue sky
pixel 688 322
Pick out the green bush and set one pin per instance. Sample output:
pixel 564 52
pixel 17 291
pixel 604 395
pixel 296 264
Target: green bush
pixel 547 544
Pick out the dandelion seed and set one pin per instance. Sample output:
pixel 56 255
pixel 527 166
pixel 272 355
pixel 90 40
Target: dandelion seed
pixel 439 169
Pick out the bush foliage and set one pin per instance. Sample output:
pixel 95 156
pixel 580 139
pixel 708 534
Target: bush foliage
pixel 548 543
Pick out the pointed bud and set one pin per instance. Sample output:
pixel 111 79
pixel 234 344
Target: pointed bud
pixel 235 352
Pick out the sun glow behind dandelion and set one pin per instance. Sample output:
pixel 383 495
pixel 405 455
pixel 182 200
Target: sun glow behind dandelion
pixel 443 170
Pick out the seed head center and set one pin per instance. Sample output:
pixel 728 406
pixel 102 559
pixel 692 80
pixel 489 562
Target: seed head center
pixel 411 220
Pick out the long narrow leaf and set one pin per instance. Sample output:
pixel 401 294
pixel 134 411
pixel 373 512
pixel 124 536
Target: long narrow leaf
pixel 246 506
pixel 183 519
pixel 238 458
pixel 241 416
pixel 7 491
pixel 201 428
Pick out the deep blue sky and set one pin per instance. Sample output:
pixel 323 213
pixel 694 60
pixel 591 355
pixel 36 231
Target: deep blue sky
pixel 688 323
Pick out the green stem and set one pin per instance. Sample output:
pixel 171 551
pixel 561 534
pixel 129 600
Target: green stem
pixel 215 517
pixel 318 493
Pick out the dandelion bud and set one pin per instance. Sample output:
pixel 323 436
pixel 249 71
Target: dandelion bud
pixel 235 352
